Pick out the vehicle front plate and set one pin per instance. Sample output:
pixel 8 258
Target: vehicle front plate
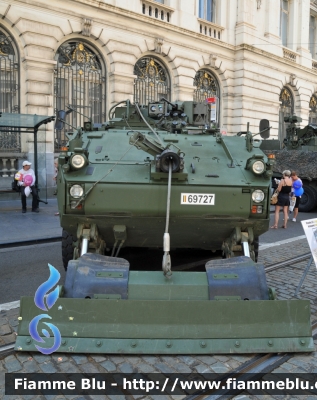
pixel 198 199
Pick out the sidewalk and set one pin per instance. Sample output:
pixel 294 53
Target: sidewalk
pixel 17 227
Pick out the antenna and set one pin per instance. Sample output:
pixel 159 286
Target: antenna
pixel 74 109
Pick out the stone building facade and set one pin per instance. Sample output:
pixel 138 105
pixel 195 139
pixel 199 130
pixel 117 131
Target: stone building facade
pixel 257 56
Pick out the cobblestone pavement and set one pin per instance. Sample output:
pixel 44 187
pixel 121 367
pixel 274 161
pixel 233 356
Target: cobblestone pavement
pixel 285 280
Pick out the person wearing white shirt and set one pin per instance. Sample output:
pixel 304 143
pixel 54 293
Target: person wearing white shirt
pixel 27 171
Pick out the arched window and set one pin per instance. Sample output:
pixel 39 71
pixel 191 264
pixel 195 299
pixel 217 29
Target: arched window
pixel 9 74
pixel 313 110
pixel 286 110
pixel 206 85
pixel 152 82
pixel 9 90
pixel 80 83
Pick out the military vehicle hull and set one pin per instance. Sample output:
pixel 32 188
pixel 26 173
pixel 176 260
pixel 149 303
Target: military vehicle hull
pixel 304 162
pixel 134 195
pixel 298 152
pixel 155 177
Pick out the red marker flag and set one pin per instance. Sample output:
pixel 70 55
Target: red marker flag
pixel 211 100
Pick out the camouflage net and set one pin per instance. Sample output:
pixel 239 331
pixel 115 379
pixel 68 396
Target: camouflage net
pixel 302 161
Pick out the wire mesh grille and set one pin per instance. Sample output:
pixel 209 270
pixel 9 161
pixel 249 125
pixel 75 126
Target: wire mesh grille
pixel 80 84
pixel 286 110
pixel 152 82
pixel 10 140
pixel 206 85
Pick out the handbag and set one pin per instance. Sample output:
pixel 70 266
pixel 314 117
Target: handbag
pixel 292 203
pixel 274 197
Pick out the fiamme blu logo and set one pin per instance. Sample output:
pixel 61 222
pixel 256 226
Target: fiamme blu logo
pixel 45 301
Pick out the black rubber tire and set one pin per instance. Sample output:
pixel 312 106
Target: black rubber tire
pixel 67 248
pixel 308 200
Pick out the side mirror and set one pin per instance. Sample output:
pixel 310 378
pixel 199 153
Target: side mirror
pixel 59 124
pixel 264 128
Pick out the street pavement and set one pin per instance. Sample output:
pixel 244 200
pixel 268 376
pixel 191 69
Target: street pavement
pixel 275 245
pixel 17 227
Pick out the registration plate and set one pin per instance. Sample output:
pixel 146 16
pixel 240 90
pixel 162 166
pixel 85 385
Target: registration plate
pixel 198 199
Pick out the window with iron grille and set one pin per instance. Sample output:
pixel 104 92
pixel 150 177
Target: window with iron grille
pixel 152 82
pixel 313 110
pixel 80 83
pixel 286 110
pixel 206 85
pixel 10 140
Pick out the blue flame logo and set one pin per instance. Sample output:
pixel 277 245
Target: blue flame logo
pixel 45 287
pixel 39 300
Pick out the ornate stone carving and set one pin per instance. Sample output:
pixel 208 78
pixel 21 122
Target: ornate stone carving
pixel 289 55
pixel 86 27
pixel 212 60
pixel 158 45
pixel 292 78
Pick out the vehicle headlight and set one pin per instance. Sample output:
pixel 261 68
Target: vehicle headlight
pixel 76 191
pixel 257 196
pixel 258 167
pixel 78 161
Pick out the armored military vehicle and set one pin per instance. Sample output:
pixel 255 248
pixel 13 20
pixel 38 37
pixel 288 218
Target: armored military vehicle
pixel 297 152
pixel 162 176
pixel 162 170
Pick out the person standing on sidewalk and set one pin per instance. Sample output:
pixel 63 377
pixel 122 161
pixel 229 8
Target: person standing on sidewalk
pixel 27 171
pixel 284 189
pixel 55 179
pixel 297 190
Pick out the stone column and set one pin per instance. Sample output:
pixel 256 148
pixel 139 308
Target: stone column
pixel 39 99
pixel 245 28
pixel 272 24
pixel 12 169
pixel 303 33
pixel 4 168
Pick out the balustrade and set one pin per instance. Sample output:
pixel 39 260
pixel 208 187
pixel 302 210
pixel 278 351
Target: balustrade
pixel 210 29
pixel 8 168
pixel 157 10
pixel 289 55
